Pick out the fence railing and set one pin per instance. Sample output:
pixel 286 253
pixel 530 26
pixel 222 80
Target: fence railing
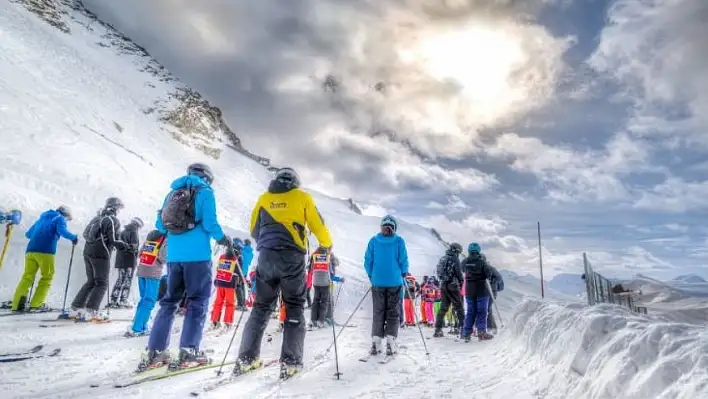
pixel 600 290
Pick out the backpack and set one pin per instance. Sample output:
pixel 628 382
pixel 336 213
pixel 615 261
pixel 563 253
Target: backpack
pixel 446 270
pixel 179 214
pixel 92 232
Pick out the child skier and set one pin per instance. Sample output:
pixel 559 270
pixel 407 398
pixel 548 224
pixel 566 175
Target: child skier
pixel 412 289
pixel 427 299
pixel 226 281
pixel 322 264
pixel 126 261
pixel 150 270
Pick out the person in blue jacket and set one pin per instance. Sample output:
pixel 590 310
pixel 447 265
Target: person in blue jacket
pixel 189 271
pixel 39 255
pixel 386 264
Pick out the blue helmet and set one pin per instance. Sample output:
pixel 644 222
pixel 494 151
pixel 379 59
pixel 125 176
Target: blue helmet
pixel 389 220
pixel 238 243
pixel 474 247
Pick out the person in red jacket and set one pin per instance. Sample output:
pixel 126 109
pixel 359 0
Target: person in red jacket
pixel 227 276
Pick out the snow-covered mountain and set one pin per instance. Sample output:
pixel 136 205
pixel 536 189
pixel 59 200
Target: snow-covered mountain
pixel 568 283
pixel 74 131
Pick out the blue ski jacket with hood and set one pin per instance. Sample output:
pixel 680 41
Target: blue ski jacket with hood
pixel 45 232
pixel 386 260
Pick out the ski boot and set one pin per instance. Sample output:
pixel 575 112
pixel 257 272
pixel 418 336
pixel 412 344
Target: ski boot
pixel 153 359
pixel 227 326
pixel 391 346
pixel 41 309
pixel 455 331
pixel 113 304
pixel 467 338
pixel 215 325
pixel 124 304
pixel 438 334
pixel 376 346
pixel 484 336
pixel 189 358
pixel 288 371
pixel 71 315
pixel 93 316
pixel 244 365
pixel 310 326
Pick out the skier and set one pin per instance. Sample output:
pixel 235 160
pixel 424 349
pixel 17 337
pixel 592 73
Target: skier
pixel 386 264
pixel 323 265
pixel 188 216
pixel 497 284
pixel 412 289
pixel 126 261
pixel 426 301
pixel 226 282
pixel 450 274
pixel 101 237
pixel 437 297
pixel 150 271
pixel 279 223
pixel 40 253
pixel 477 271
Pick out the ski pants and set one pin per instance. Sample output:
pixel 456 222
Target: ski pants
pixel 450 295
pixel 192 279
pixel 409 311
pixel 429 313
pixel 320 304
pixel 121 289
pixel 308 297
pixel 224 300
pixel 385 315
pixel 436 309
pixel 477 308
pixel 423 316
pixel 401 317
pixel 240 293
pixel 149 289
pixel 278 270
pixel 92 292
pixel 34 261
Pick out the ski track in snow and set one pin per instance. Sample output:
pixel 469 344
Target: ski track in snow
pixel 59 98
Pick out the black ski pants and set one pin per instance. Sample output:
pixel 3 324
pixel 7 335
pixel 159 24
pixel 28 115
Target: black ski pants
pixel 320 305
pixel 278 271
pixel 450 295
pixel 385 318
pixel 121 289
pixel 240 293
pixel 94 289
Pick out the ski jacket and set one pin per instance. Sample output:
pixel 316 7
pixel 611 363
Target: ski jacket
pixel 429 292
pixel 477 271
pixel 449 269
pixel 128 258
pixel 322 277
pixel 153 263
pixel 247 254
pixel 194 245
pixel 109 237
pixel 281 217
pixel 226 278
pixel 44 234
pixel 386 260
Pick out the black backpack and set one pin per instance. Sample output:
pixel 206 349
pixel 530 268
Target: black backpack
pixel 93 233
pixel 446 270
pixel 179 213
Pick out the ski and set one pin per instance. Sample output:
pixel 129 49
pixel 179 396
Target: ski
pixel 53 325
pixel 168 374
pixel 366 358
pixel 28 352
pixel 231 378
pixel 387 359
pixel 20 313
pixel 17 359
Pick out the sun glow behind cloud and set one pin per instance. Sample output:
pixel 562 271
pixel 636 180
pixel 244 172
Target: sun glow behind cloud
pixel 480 59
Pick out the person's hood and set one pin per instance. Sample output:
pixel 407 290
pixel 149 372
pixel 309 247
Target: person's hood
pixel 386 240
pixel 475 255
pixel 279 187
pixel 189 181
pixel 49 215
pixel 131 226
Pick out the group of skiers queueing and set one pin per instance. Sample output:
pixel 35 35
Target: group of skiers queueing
pixel 185 226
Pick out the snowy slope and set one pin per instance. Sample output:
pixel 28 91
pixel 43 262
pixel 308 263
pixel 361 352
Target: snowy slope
pixel 56 88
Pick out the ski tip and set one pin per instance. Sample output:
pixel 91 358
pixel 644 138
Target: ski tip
pixel 94 385
pixel 194 394
pixel 37 348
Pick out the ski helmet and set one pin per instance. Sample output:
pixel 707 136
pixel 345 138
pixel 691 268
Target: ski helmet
pixel 114 203
pixel 288 175
pixel 247 242
pixel 65 211
pixel 138 222
pixel 456 247
pixel 474 247
pixel 390 221
pixel 201 170
pixel 238 243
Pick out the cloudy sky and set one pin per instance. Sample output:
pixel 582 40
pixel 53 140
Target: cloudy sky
pixel 477 117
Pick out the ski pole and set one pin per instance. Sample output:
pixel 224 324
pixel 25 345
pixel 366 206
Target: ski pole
pixel 336 299
pixel 68 277
pixel 494 302
pixel 228 349
pixel 415 315
pixel 348 320
pixel 334 342
pixel 8 236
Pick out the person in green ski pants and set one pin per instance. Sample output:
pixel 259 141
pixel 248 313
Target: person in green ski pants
pixel 39 255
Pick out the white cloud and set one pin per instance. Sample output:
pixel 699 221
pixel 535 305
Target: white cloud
pixel 675 195
pixel 374 210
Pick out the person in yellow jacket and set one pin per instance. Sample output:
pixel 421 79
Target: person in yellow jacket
pixel 279 224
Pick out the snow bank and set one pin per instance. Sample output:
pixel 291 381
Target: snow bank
pixel 606 351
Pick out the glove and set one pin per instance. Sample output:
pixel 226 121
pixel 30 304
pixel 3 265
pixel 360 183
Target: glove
pixel 75 241
pixel 500 285
pixel 226 241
